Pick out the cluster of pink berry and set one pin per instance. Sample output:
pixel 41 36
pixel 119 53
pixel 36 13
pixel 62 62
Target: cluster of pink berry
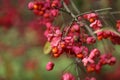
pixel 107 34
pixel 95 61
pixel 70 43
pixel 45 8
pixel 74 40
pixel 95 22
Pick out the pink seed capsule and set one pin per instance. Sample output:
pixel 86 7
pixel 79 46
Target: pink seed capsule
pixel 30 5
pixel 112 61
pixel 76 27
pixel 90 40
pixel 49 66
pixel 68 76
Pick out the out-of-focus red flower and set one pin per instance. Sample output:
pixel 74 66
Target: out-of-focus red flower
pixel 18 51
pixel 114 75
pixel 30 65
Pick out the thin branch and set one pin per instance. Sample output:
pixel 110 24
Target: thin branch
pixel 68 10
pixel 77 70
pixel 115 12
pixel 99 10
pixel 80 65
pixel 104 9
pixel 68 66
pixel 63 10
pixel 70 25
pixel 74 6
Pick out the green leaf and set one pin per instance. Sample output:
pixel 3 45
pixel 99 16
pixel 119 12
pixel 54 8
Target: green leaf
pixel 47 48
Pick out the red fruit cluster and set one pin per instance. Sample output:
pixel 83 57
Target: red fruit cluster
pixel 95 22
pixel 95 61
pixel 112 36
pixel 74 40
pixel 45 8
pixel 70 41
pixel 72 44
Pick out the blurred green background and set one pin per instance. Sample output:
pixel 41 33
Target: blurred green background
pixel 22 41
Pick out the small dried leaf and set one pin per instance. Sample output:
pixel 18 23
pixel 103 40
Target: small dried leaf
pixel 47 48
